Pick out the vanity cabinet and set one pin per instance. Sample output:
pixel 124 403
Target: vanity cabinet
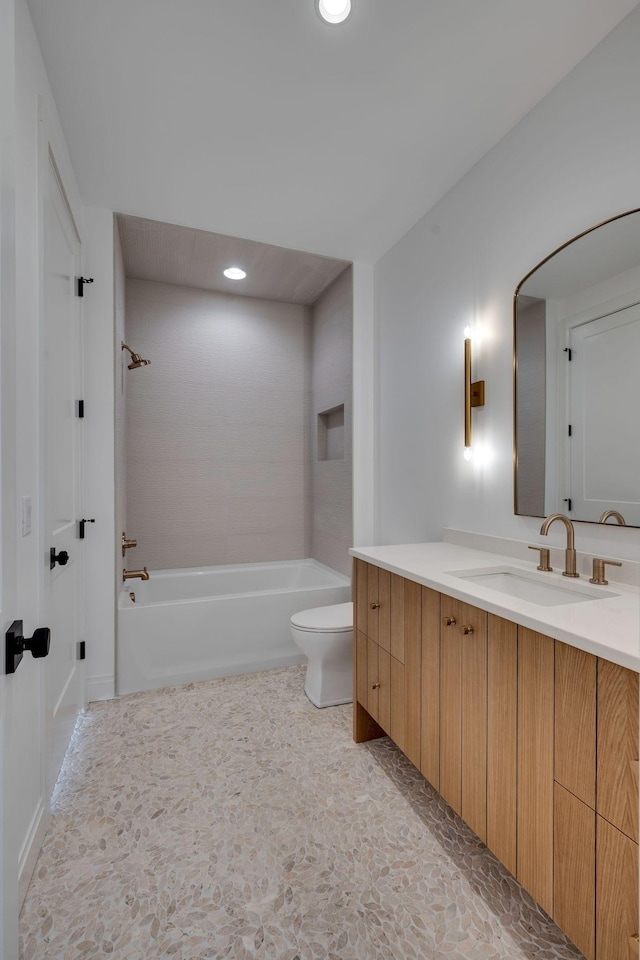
pixel 533 742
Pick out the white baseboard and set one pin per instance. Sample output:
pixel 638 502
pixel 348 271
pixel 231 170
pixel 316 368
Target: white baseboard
pixel 31 848
pixel 101 688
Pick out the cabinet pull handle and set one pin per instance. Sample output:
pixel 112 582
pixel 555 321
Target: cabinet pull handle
pixel 634 945
pixel 466 629
pixel 449 621
pixel 374 686
pixel 374 606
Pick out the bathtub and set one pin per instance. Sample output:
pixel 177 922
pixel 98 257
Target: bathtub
pixel 196 624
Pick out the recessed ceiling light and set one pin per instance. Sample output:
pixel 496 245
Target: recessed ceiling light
pixel 234 273
pixel 333 11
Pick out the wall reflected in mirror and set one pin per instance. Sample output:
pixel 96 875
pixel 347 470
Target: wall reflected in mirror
pixel 577 370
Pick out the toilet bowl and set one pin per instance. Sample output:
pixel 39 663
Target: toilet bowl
pixel 325 635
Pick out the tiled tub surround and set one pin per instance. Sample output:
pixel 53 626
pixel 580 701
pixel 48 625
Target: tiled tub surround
pixel 232 819
pixel 524 717
pixel 190 624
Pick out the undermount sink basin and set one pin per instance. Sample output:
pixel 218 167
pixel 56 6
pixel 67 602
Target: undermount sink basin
pixel 531 586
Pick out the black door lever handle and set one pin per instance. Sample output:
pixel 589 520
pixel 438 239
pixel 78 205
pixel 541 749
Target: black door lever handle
pixel 16 644
pixel 62 558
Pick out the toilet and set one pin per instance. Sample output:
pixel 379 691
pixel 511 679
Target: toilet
pixel 325 635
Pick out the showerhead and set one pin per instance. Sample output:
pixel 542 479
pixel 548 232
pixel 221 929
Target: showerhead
pixel 136 359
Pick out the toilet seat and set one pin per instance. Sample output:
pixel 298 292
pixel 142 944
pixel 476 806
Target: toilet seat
pixel 337 618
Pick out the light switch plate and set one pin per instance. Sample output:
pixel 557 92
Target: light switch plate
pixel 26 516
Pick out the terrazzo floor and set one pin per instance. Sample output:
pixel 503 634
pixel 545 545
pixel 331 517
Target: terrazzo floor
pixel 232 819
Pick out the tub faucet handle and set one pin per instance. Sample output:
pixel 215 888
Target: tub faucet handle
pixel 127 544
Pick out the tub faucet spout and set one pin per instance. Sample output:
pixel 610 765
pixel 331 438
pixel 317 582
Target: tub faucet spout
pixel 135 574
pixel 570 552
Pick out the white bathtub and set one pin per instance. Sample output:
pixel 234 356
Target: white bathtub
pixel 196 624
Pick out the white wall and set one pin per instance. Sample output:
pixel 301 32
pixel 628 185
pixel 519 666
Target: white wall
pixel 572 162
pixel 332 386
pixel 99 433
pixel 217 428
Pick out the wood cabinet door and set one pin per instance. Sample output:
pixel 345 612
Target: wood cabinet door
pixel 361 605
pixel 474 719
pixel 617 775
pixel 430 734
pixel 463 713
pixel 384 690
pixel 406 679
pixel 616 893
pixel 502 739
pixel 373 602
pixel 451 704
pixel 412 669
pixel 373 680
pixel 535 765
pixel 575 721
pixel 397 586
pixel 574 874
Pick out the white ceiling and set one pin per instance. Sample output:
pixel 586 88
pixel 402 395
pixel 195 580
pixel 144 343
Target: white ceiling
pixel 193 258
pixel 252 118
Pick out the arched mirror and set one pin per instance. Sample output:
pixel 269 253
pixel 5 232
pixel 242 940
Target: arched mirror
pixel 577 377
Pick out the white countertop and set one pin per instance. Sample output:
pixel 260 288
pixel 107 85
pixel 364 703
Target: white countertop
pixel 607 627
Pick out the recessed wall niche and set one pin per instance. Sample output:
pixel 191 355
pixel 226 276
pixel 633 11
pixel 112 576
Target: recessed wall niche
pixel 331 434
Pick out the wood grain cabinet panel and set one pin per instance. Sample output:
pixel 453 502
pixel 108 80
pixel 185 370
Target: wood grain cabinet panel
pixel 412 669
pixel 373 680
pixel 616 893
pixel 502 739
pixel 451 705
pixel 398 715
pixel 575 721
pixel 373 603
pixel 384 690
pixel 617 770
pixel 364 725
pixel 397 617
pixel 463 714
pixel 361 685
pixel 574 874
pixel 535 765
pixel 430 734
pixel 384 611
pixel 361 606
pixel 474 720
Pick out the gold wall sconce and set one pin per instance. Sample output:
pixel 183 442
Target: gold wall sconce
pixel 473 393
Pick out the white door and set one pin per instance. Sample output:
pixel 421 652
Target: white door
pixel 605 426
pixel 62 474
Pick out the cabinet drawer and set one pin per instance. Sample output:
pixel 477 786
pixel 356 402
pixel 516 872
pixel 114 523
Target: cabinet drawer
pixel 617 765
pixel 361 605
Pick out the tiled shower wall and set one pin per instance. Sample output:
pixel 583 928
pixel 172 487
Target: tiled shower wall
pixel 216 428
pixel 331 388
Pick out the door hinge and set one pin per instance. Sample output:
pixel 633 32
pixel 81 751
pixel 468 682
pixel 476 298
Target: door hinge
pixel 81 524
pixel 81 409
pixel 81 650
pixel 81 283
pixel 569 353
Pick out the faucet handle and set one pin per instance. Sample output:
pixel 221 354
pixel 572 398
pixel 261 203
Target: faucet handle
pixel 598 570
pixel 544 559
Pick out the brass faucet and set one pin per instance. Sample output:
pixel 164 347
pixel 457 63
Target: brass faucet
pixel 127 544
pixel 135 574
pixel 613 513
pixel 570 552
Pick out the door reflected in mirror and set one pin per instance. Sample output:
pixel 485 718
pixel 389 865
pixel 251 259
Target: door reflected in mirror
pixel 577 358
